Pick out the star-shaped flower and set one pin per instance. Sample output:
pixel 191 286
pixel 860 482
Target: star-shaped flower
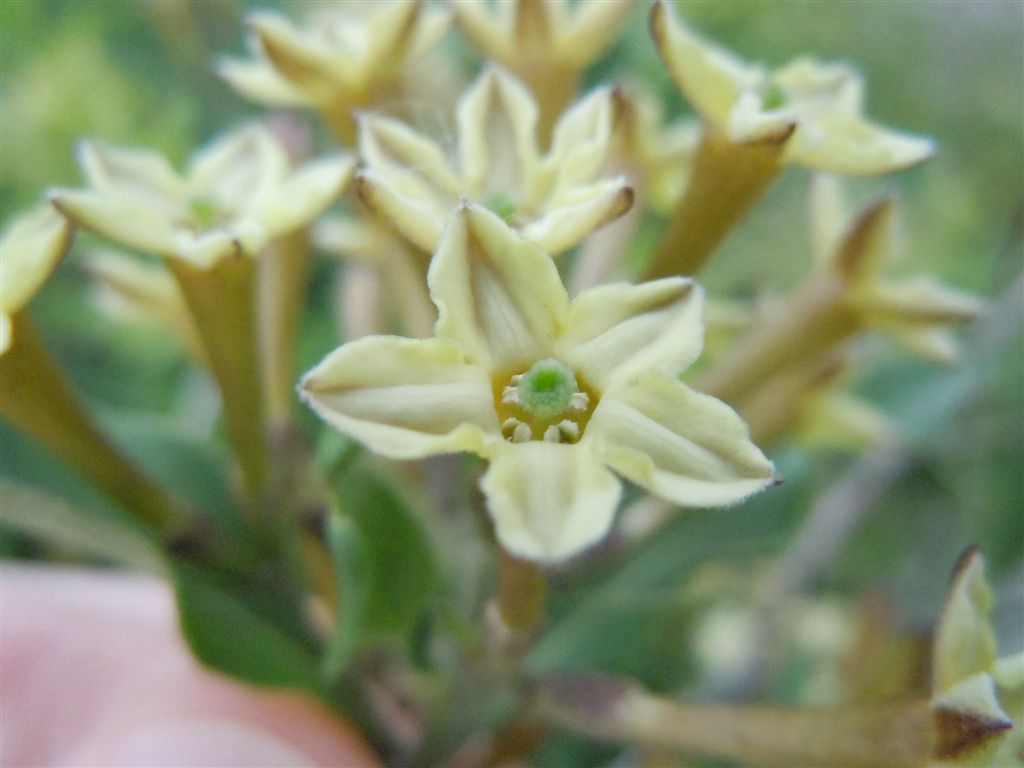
pixel 555 199
pixel 548 43
pixel 238 194
pixel 822 101
pixel 971 685
pixel 342 57
pixel 916 312
pixel 554 393
pixel 31 247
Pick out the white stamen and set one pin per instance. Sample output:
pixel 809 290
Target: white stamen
pixel 516 378
pixel 579 401
pixel 509 425
pixel 510 395
pixel 522 433
pixel 569 428
pixel 552 435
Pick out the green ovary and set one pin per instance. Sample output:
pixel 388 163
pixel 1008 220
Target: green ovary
pixel 546 389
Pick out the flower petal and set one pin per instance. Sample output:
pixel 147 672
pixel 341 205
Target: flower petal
pixel 849 144
pixel 618 332
pixel 404 398
pixel 710 77
pixel 321 71
pixel 497 119
pixel 240 169
pixel 121 217
pixel 581 141
pixel 498 295
pixel 572 218
pixel 305 194
pixel 488 27
pixel 591 27
pixel 413 214
pixel 680 444
pixel 258 81
pixel 140 173
pixel 549 501
pixel 31 247
pixel 917 301
pixel 965 643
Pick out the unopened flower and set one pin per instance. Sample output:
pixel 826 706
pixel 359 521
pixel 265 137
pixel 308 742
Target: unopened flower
pixel 238 194
pixel 548 43
pixel 555 199
pixel 916 312
pixel 972 686
pixel 554 393
pixel 343 56
pixel 819 104
pixel 31 247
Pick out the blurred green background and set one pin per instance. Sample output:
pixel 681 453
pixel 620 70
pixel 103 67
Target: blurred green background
pixel 140 73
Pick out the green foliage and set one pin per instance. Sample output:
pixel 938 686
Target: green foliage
pixel 385 568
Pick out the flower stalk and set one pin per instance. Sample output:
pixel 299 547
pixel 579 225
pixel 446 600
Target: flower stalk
pixel 891 735
pixel 222 300
pixel 728 178
pixel 37 399
pixel 283 273
pixel 522 589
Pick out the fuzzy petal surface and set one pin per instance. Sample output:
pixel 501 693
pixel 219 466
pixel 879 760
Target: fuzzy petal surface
pixel 549 501
pixel 619 332
pixel 499 296
pixel 404 398
pixel 682 445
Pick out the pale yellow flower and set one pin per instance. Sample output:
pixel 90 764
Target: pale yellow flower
pixel 554 393
pixel 238 194
pixel 821 103
pixel 971 685
pixel 343 56
pixel 548 43
pixel 555 199
pixel 663 153
pixel 916 312
pixel 29 251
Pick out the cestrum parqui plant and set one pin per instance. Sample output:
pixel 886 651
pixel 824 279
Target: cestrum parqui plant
pixel 807 113
pixel 238 197
pixel 555 394
pixel 555 198
pixel 343 56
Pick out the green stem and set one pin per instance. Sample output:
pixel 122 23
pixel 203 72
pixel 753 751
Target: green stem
pixel 728 178
pixel 222 301
pixel 37 398
pixel 522 588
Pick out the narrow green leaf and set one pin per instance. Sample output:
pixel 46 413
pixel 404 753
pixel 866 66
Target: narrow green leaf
pixel 385 567
pixel 228 635
pixel 108 535
pixel 354 582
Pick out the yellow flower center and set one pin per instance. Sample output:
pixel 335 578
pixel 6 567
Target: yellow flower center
pixel 547 402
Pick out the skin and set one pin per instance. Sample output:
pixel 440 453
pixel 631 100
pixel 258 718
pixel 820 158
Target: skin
pixel 94 672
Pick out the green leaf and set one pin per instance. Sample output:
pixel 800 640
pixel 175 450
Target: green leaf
pixel 348 549
pixel 227 634
pixel 104 534
pixel 384 564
